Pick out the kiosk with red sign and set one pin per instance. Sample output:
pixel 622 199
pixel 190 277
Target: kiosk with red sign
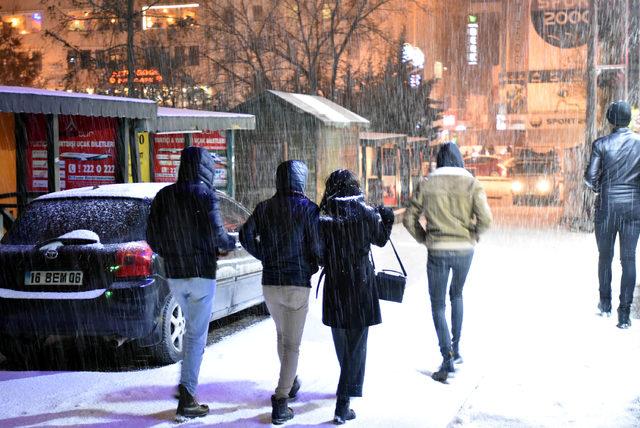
pixel 212 131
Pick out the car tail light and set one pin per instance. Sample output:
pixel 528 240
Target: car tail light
pixel 134 261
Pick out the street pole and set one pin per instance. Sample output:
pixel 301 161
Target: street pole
pixel 592 74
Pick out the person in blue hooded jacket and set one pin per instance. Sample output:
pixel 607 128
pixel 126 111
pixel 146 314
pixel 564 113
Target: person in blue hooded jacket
pixel 282 232
pixel 185 228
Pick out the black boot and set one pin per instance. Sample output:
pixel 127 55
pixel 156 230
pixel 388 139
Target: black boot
pixel 188 407
pixel 623 318
pixel 280 412
pixel 293 393
pixel 605 308
pixel 445 371
pixel 343 412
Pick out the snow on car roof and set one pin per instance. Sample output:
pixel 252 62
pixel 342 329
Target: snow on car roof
pixel 125 190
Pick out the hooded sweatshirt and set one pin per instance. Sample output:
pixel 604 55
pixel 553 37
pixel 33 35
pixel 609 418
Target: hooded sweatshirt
pixel 453 203
pixel 282 231
pixel 185 225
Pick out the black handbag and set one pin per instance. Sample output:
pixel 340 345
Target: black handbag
pixel 391 283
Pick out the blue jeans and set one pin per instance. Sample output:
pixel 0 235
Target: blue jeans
pixel 439 264
pixel 607 227
pixel 195 297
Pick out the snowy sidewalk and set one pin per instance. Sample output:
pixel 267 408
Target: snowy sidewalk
pixel 535 355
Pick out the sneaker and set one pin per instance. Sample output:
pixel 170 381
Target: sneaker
pixel 293 393
pixel 605 308
pixel 280 412
pixel 343 413
pixel 188 406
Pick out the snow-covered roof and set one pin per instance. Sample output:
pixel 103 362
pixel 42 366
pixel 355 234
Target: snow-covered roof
pixel 326 111
pixel 17 99
pixel 125 190
pixel 176 120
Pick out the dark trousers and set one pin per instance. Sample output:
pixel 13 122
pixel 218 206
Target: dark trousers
pixel 439 265
pixel 351 349
pixel 607 227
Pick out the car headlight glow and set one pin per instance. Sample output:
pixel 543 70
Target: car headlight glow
pixel 543 185
pixel 516 186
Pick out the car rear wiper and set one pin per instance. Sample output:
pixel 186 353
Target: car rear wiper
pixel 67 241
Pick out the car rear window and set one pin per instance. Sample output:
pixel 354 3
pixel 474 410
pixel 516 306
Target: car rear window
pixel 113 219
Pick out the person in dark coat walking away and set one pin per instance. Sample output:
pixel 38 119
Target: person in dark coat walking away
pixel 456 209
pixel 614 174
pixel 350 304
pixel 282 232
pixel 185 228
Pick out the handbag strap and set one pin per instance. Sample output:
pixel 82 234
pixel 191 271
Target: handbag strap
pixel 319 279
pixel 404 272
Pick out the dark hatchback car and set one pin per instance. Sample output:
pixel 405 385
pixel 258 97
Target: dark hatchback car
pixel 76 263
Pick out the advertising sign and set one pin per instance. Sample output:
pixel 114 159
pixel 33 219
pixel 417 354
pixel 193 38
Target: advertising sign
pixel 168 147
pixel 561 23
pixel 166 156
pixel 216 144
pixel 87 152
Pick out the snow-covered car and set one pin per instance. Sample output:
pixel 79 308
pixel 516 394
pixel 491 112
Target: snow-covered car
pixel 76 263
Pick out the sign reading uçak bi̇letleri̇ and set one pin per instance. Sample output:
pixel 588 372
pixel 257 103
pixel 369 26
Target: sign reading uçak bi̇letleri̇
pixel 87 152
pixel 561 23
pixel 168 147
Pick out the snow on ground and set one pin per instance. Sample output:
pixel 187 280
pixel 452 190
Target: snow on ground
pixel 536 355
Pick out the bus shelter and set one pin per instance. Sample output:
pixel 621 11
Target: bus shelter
pixel 53 140
pixel 174 129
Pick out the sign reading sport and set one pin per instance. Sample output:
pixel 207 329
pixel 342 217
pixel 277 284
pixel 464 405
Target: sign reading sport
pixel 561 23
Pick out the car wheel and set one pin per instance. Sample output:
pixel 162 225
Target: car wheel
pixel 169 350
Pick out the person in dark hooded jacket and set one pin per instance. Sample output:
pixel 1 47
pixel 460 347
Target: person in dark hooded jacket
pixel 614 173
pixel 282 232
pixel 456 209
pixel 185 228
pixel 350 303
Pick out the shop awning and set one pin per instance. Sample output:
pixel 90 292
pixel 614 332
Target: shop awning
pixel 184 120
pixel 326 111
pixel 15 99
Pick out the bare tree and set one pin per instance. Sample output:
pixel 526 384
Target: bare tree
pixel 298 45
pixel 19 68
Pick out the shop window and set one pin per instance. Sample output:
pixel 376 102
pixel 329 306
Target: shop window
pixel 85 59
pixel 169 16
pixel 257 12
pixel 23 23
pixel 79 20
pixel 101 58
pixel 229 16
pixel 72 58
pixel 178 55
pixel 194 55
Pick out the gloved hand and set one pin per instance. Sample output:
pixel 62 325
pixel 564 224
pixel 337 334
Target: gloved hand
pixel 386 213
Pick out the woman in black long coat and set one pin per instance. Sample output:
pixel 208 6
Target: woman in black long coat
pixel 348 227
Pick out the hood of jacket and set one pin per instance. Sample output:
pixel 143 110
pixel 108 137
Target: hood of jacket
pixel 449 155
pixel 196 164
pixel 291 177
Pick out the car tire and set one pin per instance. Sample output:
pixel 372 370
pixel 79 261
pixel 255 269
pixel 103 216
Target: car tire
pixel 169 350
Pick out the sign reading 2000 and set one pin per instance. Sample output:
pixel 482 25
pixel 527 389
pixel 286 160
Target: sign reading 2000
pixel 561 23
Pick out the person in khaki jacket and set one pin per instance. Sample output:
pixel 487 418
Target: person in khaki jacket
pixel 456 209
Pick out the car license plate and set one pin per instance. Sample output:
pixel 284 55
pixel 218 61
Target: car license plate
pixel 58 277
